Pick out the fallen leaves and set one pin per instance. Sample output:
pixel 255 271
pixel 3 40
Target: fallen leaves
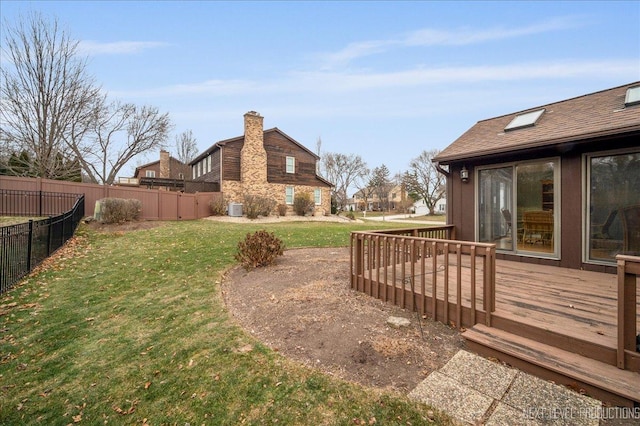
pixel 131 409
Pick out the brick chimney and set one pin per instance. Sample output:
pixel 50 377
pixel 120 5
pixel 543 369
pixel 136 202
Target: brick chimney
pixel 253 157
pixel 165 168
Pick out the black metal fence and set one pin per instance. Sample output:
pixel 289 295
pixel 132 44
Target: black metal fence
pixel 24 246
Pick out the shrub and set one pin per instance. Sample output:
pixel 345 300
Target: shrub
pixel 255 206
pixel 218 206
pixel 259 249
pixel 119 210
pixel 351 216
pixel 303 203
pixel 282 209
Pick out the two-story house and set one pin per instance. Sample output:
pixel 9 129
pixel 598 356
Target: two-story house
pixel 265 163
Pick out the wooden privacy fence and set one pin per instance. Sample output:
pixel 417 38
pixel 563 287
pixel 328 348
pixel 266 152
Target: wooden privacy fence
pixel 424 270
pixel 157 204
pixel 628 272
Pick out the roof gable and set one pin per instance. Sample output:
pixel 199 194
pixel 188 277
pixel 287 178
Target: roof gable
pixel 597 114
pixel 221 143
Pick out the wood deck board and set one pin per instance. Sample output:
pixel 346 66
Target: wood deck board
pixel 607 377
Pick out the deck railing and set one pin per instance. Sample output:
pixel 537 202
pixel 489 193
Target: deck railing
pixel 628 273
pixel 424 270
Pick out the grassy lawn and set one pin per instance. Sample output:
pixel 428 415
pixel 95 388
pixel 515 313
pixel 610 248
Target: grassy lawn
pixel 130 328
pixel 13 220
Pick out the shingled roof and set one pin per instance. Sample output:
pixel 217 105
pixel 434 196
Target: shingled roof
pixel 573 120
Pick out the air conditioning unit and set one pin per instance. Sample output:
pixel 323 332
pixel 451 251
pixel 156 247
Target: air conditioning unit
pixel 235 209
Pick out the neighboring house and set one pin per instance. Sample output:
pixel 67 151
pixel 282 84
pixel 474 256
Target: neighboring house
pixel 396 200
pixel 167 167
pixel 421 209
pixel 266 163
pixel 556 184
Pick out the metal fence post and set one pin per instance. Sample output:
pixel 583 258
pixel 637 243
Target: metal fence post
pixel 49 235
pixel 29 245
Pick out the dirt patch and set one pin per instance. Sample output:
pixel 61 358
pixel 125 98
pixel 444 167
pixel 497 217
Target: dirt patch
pixel 303 307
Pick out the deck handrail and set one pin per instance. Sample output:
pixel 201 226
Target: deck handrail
pixel 628 273
pixel 383 262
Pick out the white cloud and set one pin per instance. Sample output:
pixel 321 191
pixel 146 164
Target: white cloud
pixel 322 85
pixel 89 47
pixel 434 37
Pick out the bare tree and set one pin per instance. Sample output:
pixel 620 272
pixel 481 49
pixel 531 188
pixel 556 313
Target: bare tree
pixel 118 133
pixel 344 171
pixel 47 97
pixel 186 147
pixel 423 181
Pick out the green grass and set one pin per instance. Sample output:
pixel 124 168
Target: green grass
pixel 14 220
pixel 130 328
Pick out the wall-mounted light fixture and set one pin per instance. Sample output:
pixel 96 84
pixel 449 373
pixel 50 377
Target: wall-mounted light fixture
pixel 464 174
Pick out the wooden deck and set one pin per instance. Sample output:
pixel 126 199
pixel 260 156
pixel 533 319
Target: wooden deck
pixel 580 304
pixel 561 301
pixel 558 323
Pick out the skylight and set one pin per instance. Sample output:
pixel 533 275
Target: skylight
pixel 633 96
pixel 527 119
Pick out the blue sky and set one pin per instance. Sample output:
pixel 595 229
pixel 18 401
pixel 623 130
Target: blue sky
pixel 383 80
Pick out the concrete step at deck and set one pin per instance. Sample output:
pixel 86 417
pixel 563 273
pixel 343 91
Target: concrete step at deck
pixel 603 381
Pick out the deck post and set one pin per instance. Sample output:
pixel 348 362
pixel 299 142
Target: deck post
pixel 489 297
pixel 626 306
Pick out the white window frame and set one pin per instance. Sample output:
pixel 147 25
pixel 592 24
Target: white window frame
pixel 317 196
pixel 290 166
pixel 150 173
pixel 289 195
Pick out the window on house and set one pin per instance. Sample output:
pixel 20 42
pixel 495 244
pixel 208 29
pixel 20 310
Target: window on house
pixel 291 164
pixel 180 176
pixel 193 172
pixel 632 97
pixel 613 200
pixel 150 173
pixel 317 196
pixel 527 119
pixel 518 207
pixel 289 194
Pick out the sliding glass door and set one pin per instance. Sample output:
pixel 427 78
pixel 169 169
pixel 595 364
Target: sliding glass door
pixel 495 195
pixel 613 197
pixel 518 207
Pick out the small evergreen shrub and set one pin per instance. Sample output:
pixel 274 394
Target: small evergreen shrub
pixel 255 206
pixel 259 249
pixel 303 203
pixel 351 216
pixel 119 210
pixel 282 209
pixel 218 206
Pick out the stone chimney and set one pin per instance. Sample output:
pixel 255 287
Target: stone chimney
pixel 253 157
pixel 165 167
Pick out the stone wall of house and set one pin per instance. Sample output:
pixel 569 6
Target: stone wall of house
pixel 234 192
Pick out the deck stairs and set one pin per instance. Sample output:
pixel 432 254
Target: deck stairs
pixel 584 366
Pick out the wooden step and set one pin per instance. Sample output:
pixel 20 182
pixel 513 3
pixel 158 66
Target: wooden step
pixel 603 381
